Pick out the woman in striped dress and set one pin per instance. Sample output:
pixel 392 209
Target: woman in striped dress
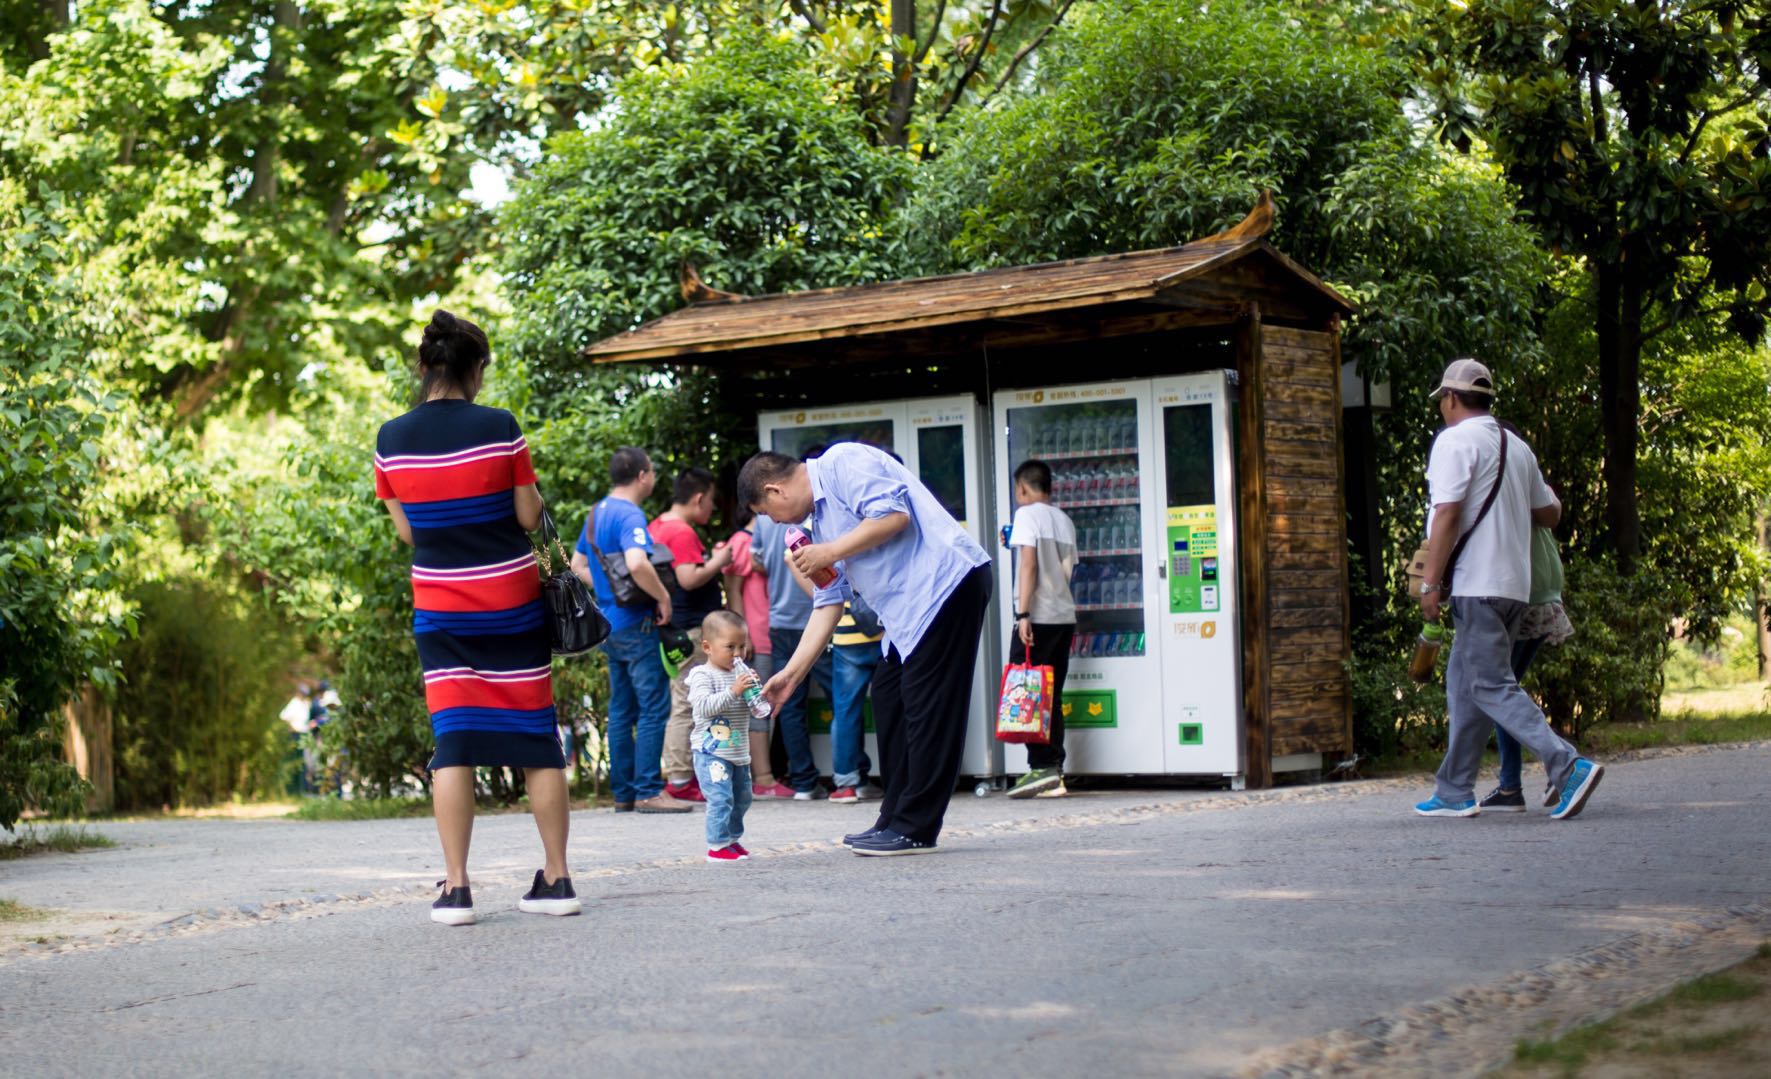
pixel 457 480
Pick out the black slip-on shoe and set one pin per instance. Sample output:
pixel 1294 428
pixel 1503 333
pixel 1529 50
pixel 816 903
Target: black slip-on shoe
pixel 557 898
pixel 886 843
pixel 454 906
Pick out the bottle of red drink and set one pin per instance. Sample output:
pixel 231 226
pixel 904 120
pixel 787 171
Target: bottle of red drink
pixel 796 539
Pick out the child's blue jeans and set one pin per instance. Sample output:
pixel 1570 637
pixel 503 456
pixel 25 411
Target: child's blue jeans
pixel 726 786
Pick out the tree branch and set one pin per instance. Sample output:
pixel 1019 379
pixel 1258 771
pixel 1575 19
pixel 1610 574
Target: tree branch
pixel 1024 50
pixel 976 61
pixel 934 32
pixel 804 11
pixel 1708 115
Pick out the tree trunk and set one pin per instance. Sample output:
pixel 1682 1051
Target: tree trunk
pixel 903 95
pixel 88 744
pixel 1618 326
pixel 1761 613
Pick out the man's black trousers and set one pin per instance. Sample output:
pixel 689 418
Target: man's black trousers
pixel 919 712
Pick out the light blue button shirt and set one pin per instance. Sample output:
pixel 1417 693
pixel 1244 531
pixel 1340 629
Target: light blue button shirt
pixel 907 578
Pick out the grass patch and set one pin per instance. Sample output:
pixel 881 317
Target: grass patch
pixel 1697 1043
pixel 1715 989
pixel 61 839
pixel 360 808
pixel 11 910
pixel 1570 1051
pixel 1679 729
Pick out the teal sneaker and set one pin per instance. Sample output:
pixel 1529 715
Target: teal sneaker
pixel 1036 781
pixel 1439 807
pixel 1582 780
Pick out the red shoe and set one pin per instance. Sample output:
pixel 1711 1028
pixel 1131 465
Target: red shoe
pixel 845 794
pixel 728 853
pixel 688 792
pixel 777 790
pixel 739 847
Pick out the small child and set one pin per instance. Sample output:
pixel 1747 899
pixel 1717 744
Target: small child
pixel 720 739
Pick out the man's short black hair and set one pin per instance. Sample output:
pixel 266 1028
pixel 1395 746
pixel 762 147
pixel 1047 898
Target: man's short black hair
pixel 765 468
pixel 691 482
pixel 1035 474
pixel 1481 402
pixel 627 464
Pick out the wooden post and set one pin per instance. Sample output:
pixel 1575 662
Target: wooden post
pixel 86 737
pixel 1252 542
pixel 1340 498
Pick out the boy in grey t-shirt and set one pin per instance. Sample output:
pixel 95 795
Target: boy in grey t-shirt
pixel 1044 541
pixel 720 739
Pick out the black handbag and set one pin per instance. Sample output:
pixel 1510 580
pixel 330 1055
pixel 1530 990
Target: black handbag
pixel 627 593
pixel 574 621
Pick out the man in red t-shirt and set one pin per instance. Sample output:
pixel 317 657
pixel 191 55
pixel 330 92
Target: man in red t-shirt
pixel 694 585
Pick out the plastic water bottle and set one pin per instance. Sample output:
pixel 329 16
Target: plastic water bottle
pixel 753 696
pixel 796 539
pixel 1426 651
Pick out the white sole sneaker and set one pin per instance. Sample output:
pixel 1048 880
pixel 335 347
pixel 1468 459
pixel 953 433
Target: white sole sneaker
pixel 453 915
pixel 1059 791
pixel 559 908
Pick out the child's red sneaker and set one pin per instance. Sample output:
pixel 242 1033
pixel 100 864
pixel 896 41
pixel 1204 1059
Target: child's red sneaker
pixel 739 847
pixel 729 853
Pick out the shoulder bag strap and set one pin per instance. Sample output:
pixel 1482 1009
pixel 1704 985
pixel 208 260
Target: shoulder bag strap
pixel 1500 473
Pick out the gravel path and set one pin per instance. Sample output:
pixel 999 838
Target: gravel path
pixel 1172 932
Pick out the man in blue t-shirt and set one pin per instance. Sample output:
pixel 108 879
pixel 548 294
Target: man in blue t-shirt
pixel 639 690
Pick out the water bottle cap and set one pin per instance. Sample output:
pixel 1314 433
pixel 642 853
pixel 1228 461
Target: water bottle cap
pixel 1432 631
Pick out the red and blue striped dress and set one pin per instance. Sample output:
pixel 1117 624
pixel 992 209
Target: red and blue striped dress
pixel 476 592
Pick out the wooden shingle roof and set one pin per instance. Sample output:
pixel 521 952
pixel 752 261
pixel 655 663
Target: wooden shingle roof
pixel 1170 275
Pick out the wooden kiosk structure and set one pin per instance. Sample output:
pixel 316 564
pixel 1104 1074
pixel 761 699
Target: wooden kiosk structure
pixel 1229 302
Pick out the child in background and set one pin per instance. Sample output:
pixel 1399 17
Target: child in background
pixel 720 740
pixel 1044 540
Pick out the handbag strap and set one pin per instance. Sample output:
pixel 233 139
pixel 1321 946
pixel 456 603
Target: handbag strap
pixel 1500 473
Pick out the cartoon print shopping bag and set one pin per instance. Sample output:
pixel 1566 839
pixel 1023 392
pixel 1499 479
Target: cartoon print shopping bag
pixel 1024 711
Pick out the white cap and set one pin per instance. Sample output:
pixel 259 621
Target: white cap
pixel 1466 374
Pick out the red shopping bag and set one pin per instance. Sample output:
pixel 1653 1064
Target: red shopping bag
pixel 1024 710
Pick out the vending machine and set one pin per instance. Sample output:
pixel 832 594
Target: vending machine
pixel 941 441
pixel 1145 471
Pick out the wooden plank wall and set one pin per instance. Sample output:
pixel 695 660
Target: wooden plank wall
pixel 1308 706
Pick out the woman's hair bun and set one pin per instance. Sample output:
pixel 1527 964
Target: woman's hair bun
pixel 452 350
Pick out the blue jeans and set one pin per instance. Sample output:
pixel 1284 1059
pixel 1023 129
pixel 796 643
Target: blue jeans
pixel 1524 651
pixel 726 786
pixel 851 674
pixel 639 708
pixel 802 771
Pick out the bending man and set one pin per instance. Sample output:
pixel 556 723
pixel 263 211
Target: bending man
pixel 929 582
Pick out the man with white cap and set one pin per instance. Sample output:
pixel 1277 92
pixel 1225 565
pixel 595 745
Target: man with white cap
pixel 1487 492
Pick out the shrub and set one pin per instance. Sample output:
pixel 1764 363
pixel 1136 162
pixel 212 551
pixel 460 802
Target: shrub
pixel 196 713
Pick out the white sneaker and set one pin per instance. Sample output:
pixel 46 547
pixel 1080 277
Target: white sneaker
pixel 1059 791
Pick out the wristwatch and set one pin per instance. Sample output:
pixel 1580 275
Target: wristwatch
pixel 1428 589
pixel 1022 614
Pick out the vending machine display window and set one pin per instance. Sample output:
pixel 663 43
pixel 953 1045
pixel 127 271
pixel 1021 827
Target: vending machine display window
pixel 1092 449
pixel 940 454
pixel 795 441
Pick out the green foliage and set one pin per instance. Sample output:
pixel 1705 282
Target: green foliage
pixel 250 181
pixel 60 611
pixel 195 715
pixel 1394 717
pixel 1611 668
pixel 735 163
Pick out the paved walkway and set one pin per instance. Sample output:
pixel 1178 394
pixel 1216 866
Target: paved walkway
pixel 1169 932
